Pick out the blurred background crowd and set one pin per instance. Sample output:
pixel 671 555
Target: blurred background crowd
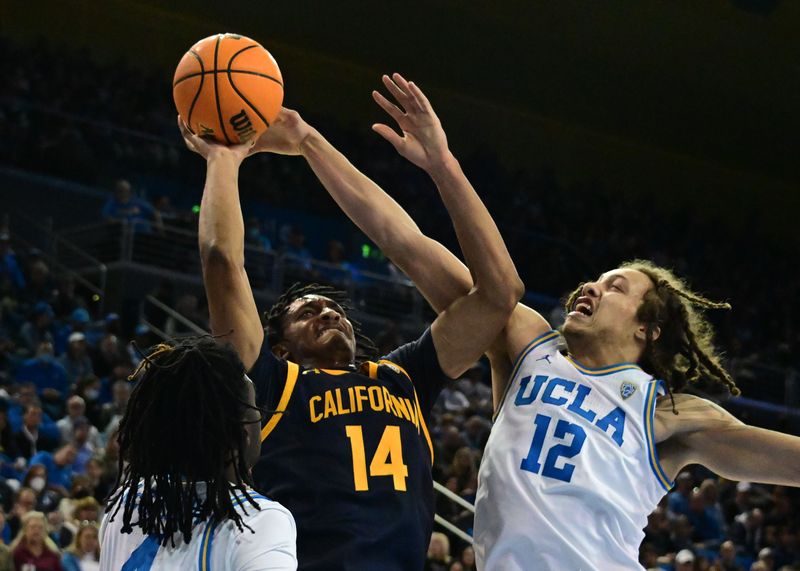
pixel 65 363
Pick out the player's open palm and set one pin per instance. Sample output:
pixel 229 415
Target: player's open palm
pixel 284 136
pixel 423 141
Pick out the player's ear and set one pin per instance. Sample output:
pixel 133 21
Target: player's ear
pixel 641 332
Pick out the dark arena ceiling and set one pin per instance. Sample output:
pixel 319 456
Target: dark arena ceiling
pixel 693 99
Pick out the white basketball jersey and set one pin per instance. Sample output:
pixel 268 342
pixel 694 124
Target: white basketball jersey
pixel 570 472
pixel 222 547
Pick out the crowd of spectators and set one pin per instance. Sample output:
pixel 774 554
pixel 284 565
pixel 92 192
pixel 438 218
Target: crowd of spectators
pixel 64 371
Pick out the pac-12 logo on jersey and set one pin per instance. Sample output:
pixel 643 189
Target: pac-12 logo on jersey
pixel 626 390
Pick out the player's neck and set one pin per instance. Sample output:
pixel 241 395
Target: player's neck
pixel 594 354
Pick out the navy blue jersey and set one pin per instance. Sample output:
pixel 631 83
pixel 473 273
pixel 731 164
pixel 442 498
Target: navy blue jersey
pixel 349 454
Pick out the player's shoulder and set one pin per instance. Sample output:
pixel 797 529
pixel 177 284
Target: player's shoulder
pixel 267 519
pixel 686 413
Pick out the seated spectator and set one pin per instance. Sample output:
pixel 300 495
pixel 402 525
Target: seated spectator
pixel 30 439
pixel 49 377
pixel 39 329
pixel 681 537
pixel 123 206
pixel 684 560
pixel 255 237
pixel 113 411
pixel 76 360
pixel 706 528
pixel 9 266
pixel 767 558
pixel 468 558
pixel 58 465
pixel 727 558
pixel 39 290
pixel 438 553
pixel 76 411
pixel 83 554
pixel 89 390
pixel 298 257
pixel 84 446
pixel 33 547
pixel 109 353
pixel 25 397
pixel 465 471
pixel 747 532
pixel 657 532
pixel 678 498
pixel 8 445
pixel 24 502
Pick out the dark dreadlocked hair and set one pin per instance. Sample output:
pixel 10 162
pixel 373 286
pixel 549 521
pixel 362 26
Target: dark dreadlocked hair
pixel 274 317
pixel 684 352
pixel 183 425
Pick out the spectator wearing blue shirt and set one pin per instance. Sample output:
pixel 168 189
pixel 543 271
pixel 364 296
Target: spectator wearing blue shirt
pixel 79 320
pixel 124 207
pixel 678 498
pixel 58 465
pixel 255 237
pixel 49 376
pixel 706 529
pixel 40 329
pixel 9 267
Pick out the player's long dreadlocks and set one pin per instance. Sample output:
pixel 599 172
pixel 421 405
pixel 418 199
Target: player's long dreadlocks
pixel 365 348
pixel 684 351
pixel 183 426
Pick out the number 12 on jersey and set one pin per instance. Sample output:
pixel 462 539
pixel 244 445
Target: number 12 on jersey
pixel 562 431
pixel 387 460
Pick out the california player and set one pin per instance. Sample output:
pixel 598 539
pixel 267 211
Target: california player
pixel 587 437
pixel 183 499
pixel 349 451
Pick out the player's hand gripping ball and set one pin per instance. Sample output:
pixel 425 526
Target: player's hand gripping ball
pixel 228 88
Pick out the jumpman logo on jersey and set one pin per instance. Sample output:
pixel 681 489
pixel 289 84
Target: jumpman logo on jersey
pixel 545 358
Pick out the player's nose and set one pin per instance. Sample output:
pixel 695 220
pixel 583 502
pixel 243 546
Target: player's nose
pixel 591 289
pixel 330 314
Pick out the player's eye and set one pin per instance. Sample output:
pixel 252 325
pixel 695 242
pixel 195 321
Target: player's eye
pixel 616 287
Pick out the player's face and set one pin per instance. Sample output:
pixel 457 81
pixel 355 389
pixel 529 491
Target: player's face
pixel 606 308
pixel 252 420
pixel 316 330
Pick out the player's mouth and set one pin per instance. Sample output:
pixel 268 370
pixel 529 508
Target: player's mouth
pixel 323 330
pixel 583 308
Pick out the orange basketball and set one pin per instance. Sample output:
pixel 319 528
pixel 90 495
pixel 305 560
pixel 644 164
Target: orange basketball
pixel 228 88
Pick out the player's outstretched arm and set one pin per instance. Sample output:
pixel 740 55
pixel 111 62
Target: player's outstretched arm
pixel 377 214
pixel 704 433
pixel 231 306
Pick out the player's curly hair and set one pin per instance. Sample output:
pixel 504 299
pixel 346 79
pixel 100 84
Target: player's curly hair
pixel 274 316
pixel 182 427
pixel 684 352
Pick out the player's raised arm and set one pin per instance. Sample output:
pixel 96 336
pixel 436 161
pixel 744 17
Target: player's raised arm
pixel 231 305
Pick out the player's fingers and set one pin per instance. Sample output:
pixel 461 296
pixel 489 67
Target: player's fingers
pixel 401 96
pixel 392 109
pixel 404 85
pixel 389 134
pixel 423 102
pixel 188 136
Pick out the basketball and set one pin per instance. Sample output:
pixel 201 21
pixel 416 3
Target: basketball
pixel 228 88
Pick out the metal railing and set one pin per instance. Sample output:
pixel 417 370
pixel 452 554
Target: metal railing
pixel 60 254
pixel 175 250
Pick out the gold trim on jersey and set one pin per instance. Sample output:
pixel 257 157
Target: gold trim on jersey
pixel 291 379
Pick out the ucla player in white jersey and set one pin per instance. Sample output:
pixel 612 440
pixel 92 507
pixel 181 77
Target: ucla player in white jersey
pixel 183 499
pixel 590 432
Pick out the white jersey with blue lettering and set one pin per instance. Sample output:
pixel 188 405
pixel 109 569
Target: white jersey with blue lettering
pixel 570 472
pixel 222 547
